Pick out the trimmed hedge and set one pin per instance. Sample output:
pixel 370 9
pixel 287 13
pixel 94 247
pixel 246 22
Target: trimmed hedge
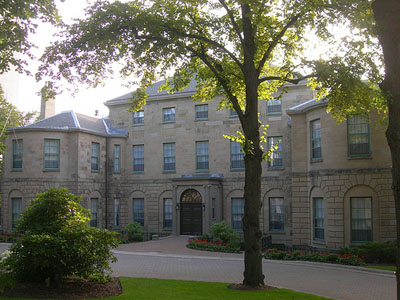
pixel 374 252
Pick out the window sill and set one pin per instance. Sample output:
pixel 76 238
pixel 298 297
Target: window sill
pixel 202 171
pixel 16 170
pixel 276 168
pixel 359 157
pixel 169 172
pixel 317 160
pixel 169 122
pixel 51 170
pixel 205 119
pixel 138 172
pixel 137 125
pixel 274 113
pixel 238 170
pixel 277 232
pixel 95 171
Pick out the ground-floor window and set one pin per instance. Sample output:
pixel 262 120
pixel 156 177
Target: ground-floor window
pixel 167 213
pixel 138 211
pixel 237 213
pixel 361 219
pixel 94 204
pixel 276 214
pixel 318 209
pixel 116 213
pixel 16 207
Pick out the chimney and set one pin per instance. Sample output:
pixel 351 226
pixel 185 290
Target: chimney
pixel 47 105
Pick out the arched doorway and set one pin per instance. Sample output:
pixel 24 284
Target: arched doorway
pixel 191 213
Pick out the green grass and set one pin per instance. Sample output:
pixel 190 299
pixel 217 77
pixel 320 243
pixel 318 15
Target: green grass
pixel 160 289
pixel 387 268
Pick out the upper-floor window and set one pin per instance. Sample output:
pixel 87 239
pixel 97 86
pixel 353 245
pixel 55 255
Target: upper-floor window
pixel 318 222
pixel 138 210
pixel 169 114
pixel 358 135
pixel 17 149
pixel 138 158
pixel 276 214
pixel 237 213
pixel 138 117
pixel 361 219
pixel 51 154
pixel 232 113
pixel 276 157
pixel 201 111
pixel 237 156
pixel 16 210
pixel 117 158
pixel 94 206
pixel 274 106
pixel 95 165
pixel 169 156
pixel 315 130
pixel 202 155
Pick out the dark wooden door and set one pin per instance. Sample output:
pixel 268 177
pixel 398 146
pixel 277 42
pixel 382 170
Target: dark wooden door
pixel 191 218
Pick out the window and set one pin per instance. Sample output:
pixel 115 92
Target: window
pixel 232 113
pixel 318 208
pixel 274 106
pixel 277 155
pixel 316 152
pixel 202 155
pixel 17 148
pixel 138 117
pixel 276 214
pixel 169 157
pixel 169 114
pixel 16 210
pixel 237 213
pixel 167 213
pixel 95 157
pixel 138 158
pixel 94 204
pixel 117 158
pixel 361 219
pixel 116 213
pixel 51 154
pixel 138 211
pixel 201 111
pixel 358 136
pixel 237 157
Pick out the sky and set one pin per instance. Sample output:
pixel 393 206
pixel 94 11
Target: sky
pixel 22 90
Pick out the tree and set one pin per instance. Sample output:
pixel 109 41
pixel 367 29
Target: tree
pixel 244 50
pixel 18 19
pixel 57 242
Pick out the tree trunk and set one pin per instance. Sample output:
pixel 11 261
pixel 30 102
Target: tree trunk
pixel 387 16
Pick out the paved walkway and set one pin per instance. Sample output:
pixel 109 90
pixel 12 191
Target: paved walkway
pixel 168 258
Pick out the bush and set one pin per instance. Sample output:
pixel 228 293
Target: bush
pixel 134 232
pixel 213 246
pixel 224 233
pixel 345 259
pixel 56 241
pixel 374 252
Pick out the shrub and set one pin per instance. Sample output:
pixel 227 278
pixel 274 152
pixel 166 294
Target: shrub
pixel 56 241
pixel 224 233
pixel 213 246
pixel 374 252
pixel 345 259
pixel 134 232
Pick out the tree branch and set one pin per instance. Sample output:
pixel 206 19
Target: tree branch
pixel 275 41
pixel 231 17
pixel 207 40
pixel 294 81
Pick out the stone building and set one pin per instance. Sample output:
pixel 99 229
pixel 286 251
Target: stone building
pixel 169 168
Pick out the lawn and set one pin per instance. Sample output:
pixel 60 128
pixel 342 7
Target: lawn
pixel 381 267
pixel 146 289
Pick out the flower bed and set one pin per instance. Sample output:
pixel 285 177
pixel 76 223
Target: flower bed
pixel 8 238
pixel 343 259
pixel 203 244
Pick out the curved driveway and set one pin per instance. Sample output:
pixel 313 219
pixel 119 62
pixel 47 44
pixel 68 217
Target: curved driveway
pixel 169 258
